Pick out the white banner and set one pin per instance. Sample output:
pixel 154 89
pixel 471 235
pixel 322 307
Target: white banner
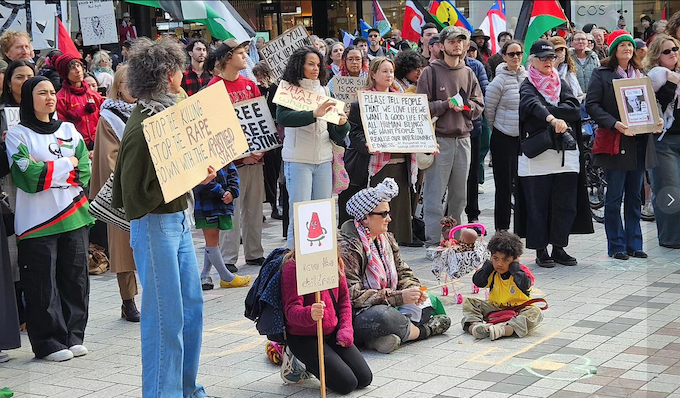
pixel 39 21
pixel 97 22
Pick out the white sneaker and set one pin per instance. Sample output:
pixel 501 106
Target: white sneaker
pixel 78 350
pixel 480 189
pixel 3 357
pixel 59 356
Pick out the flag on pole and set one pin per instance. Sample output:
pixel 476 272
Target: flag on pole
pixel 536 18
pixel 392 51
pixel 64 42
pixel 494 23
pixel 347 39
pixel 448 15
pixel 213 14
pixel 380 20
pixel 413 23
pixel 364 28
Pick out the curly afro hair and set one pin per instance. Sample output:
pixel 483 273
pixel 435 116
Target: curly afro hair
pixel 295 69
pixel 407 61
pixel 506 243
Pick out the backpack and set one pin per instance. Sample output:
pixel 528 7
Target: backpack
pixel 263 303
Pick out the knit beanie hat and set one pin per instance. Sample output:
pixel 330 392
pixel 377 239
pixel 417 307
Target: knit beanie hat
pixel 61 64
pixel 364 201
pixel 618 36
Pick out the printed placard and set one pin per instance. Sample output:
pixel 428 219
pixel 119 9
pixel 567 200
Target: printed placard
pixel 12 116
pixel 346 88
pixel 277 52
pixel 258 125
pixel 398 123
pixel 637 104
pixel 300 99
pixel 97 22
pixel 316 254
pixel 184 140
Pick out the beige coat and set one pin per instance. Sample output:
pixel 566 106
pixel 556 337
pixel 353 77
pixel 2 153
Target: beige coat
pixel 106 147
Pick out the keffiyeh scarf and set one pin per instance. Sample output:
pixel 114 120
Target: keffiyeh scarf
pixel 381 271
pixel 549 86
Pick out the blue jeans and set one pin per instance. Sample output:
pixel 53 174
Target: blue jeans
pixel 306 182
pixel 626 186
pixel 172 305
pixel 665 180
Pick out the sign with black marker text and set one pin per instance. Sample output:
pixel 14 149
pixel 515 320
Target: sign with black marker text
pixel 258 125
pixel 278 51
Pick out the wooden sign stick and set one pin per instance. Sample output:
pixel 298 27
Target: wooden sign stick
pixel 319 335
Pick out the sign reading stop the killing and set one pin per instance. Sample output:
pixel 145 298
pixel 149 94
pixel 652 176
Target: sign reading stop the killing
pixel 185 139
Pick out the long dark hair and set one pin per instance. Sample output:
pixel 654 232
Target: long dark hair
pixel 612 62
pixel 295 70
pixel 7 97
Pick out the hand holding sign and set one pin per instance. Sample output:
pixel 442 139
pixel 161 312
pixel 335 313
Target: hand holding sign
pixel 211 175
pixel 300 99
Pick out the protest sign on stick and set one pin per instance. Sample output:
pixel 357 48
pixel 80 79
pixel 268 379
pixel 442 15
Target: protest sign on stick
pixel 300 99
pixel 277 52
pixel 397 123
pixel 346 88
pixel 184 140
pixel 258 125
pixel 316 258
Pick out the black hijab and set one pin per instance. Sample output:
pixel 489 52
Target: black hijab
pixel 27 111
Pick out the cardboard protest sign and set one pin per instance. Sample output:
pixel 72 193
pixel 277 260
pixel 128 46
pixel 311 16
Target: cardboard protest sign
pixel 397 122
pixel 258 125
pixel 12 116
pixel 636 101
pixel 184 140
pixel 278 51
pixel 316 255
pixel 300 99
pixel 345 88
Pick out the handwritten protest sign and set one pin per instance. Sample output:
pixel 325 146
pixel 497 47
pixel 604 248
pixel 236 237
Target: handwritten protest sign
pixel 316 255
pixel 345 89
pixel 184 140
pixel 258 125
pixel 278 51
pixel 397 122
pixel 12 116
pixel 300 99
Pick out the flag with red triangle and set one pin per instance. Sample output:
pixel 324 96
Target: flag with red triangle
pixel 380 21
pixel 536 18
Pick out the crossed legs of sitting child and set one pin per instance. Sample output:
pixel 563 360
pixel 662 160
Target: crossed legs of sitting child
pixel 509 285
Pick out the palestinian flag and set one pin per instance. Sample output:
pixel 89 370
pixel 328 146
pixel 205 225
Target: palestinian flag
pixel 219 17
pixel 391 51
pixel 536 18
pixel 380 20
pixel 461 99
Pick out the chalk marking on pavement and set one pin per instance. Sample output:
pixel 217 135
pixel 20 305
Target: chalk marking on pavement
pixel 241 348
pixel 229 325
pixel 505 359
pixel 571 371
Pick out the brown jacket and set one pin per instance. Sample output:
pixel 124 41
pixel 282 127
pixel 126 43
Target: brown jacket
pixel 106 147
pixel 354 257
pixel 451 81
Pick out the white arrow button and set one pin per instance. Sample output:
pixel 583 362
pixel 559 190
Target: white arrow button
pixel 672 200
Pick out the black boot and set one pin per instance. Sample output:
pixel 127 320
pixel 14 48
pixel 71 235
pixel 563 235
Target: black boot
pixel 276 215
pixel 543 258
pixel 561 257
pixel 129 311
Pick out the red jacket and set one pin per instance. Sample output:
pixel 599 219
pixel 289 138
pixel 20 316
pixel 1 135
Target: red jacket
pixel 81 110
pixel 298 309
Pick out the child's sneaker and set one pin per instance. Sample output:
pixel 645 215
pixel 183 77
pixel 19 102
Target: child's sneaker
pixel 496 331
pixel 207 283
pixel 238 281
pixel 438 324
pixel 292 370
pixel 384 344
pixel 480 330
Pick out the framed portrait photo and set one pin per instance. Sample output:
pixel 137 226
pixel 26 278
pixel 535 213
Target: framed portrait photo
pixel 637 104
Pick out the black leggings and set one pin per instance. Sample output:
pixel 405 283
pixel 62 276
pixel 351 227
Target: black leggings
pixel 346 368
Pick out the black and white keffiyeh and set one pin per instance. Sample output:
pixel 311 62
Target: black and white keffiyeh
pixel 364 201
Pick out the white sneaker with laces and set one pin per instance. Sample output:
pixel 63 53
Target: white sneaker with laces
pixel 78 350
pixel 59 356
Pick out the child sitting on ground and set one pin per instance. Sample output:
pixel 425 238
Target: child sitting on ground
pixel 468 236
pixel 509 284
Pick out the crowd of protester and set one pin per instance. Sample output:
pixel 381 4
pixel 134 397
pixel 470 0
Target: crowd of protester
pixel 81 122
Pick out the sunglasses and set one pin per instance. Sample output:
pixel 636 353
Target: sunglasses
pixel 383 214
pixel 547 58
pixel 591 41
pixel 514 54
pixel 668 51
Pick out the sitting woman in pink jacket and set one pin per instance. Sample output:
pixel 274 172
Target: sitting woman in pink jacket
pixel 346 369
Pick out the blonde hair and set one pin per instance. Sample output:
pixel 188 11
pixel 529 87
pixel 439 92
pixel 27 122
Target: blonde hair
pixel 373 69
pixel 7 39
pixel 118 77
pixel 654 51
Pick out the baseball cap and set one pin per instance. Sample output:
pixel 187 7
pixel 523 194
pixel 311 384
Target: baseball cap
pixel 542 48
pixel 434 40
pixel 639 43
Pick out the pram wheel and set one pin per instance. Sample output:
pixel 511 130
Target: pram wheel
pixel 459 298
pixel 445 291
pixel 475 289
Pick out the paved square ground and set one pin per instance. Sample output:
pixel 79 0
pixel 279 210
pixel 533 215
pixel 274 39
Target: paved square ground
pixel 612 330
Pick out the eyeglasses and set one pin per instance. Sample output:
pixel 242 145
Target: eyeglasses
pixel 581 39
pixel 547 58
pixel 354 59
pixel 514 54
pixel 383 214
pixel 591 41
pixel 668 51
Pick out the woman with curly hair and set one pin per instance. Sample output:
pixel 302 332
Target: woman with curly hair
pixel 408 67
pixel 160 236
pixel 673 26
pixel 307 151
pixel 352 65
